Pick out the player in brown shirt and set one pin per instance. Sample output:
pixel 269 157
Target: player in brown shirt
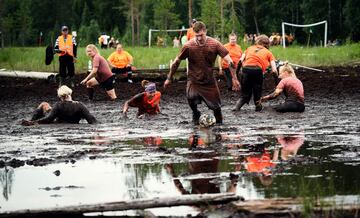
pixel 201 53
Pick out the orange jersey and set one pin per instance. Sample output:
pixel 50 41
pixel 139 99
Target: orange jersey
pixel 190 33
pixel 120 60
pixel 261 164
pixel 151 105
pixel 235 53
pixel 258 55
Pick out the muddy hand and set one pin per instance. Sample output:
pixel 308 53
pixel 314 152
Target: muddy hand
pixel 235 85
pixel 166 83
pixel 27 123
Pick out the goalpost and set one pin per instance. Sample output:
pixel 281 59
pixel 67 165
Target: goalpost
pixel 154 30
pixel 306 25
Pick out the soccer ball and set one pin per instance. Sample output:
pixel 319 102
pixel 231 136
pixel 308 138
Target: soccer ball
pixel 207 120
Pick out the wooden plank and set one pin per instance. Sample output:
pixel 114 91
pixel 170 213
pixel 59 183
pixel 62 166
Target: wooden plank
pixel 138 204
pixel 283 206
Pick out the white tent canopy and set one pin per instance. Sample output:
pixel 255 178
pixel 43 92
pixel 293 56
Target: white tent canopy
pixel 304 25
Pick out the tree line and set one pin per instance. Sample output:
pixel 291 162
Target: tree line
pixel 34 22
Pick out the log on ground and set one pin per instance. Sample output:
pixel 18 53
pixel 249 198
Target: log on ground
pixel 198 200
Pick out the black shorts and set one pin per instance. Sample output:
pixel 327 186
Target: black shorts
pixel 108 84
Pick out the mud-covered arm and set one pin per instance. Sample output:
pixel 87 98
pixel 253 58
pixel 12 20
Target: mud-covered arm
pixel 231 64
pixel 51 116
pixel 87 115
pixel 273 95
pixel 38 114
pixel 184 53
pixel 240 63
pixel 133 102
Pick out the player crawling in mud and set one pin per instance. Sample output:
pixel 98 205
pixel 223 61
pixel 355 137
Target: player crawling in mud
pixel 147 102
pixel 293 89
pixel 64 111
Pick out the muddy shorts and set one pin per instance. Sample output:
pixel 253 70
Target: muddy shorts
pixel 107 84
pixel 209 93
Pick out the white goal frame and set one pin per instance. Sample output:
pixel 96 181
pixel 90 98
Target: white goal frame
pixel 305 25
pixel 155 30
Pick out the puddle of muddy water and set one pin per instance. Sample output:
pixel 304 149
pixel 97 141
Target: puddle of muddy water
pixel 202 162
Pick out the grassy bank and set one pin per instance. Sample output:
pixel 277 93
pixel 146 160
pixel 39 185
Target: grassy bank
pixel 33 58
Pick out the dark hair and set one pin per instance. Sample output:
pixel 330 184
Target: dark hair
pixel 199 26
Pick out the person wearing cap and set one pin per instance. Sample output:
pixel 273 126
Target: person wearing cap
pixel 121 62
pixel 66 48
pixel 100 74
pixel 64 111
pixel 254 61
pixel 147 102
pixel 190 32
pixel 201 53
pixel 235 53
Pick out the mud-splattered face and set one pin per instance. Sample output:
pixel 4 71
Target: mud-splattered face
pixel 201 37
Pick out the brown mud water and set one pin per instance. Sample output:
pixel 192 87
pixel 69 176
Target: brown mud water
pixel 311 156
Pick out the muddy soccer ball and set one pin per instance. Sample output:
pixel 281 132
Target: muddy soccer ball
pixel 207 120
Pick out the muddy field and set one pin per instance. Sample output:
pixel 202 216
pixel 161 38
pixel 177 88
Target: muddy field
pixel 313 153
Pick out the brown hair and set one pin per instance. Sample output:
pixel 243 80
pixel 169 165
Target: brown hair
pixel 144 83
pixel 198 26
pixel 232 34
pixel 263 40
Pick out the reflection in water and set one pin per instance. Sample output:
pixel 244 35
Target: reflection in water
pixel 6 179
pixel 261 162
pixel 201 163
pixel 290 145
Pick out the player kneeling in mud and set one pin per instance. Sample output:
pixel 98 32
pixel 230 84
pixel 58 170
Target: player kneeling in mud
pixel 64 111
pixel 293 89
pixel 147 102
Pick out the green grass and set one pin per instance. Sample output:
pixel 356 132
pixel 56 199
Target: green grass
pixel 33 58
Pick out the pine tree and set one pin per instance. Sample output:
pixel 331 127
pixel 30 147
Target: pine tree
pixel 210 15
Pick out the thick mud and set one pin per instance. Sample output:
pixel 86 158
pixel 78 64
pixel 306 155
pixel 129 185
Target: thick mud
pixel 256 155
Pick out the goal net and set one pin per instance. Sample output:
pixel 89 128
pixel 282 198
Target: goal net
pixel 151 31
pixel 304 25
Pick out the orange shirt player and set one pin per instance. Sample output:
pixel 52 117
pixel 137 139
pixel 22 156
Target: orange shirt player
pixel 121 62
pixel 190 32
pixel 235 53
pixel 147 102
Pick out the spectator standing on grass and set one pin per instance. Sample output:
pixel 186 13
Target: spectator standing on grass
pixel 104 41
pixel 121 62
pixel 190 34
pixel 176 42
pixel 235 53
pixel 99 75
pixel 64 111
pixel 292 88
pixel 201 53
pixel 112 43
pixel 147 102
pixel 66 48
pixel 183 40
